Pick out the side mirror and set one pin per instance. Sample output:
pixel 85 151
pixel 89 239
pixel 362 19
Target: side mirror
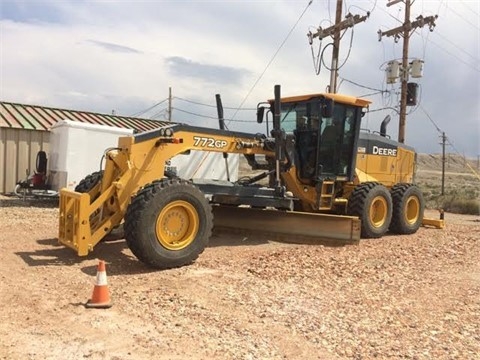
pixel 327 108
pixel 260 113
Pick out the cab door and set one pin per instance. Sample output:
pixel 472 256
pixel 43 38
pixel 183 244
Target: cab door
pixel 337 143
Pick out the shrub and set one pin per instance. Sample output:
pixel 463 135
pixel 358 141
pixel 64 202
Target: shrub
pixel 462 206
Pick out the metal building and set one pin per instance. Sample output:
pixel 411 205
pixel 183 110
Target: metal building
pixel 24 130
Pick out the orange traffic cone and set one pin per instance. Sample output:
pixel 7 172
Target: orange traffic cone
pixel 101 296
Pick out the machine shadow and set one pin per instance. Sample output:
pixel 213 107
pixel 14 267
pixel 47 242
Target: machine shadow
pixel 232 239
pixel 49 257
pixel 224 238
pixel 120 260
pixel 30 202
pixel 116 255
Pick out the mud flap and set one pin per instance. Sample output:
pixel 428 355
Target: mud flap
pixel 287 226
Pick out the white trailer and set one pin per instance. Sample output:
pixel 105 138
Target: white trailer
pixel 76 150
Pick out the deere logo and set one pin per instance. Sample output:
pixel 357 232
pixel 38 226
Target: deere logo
pixel 384 151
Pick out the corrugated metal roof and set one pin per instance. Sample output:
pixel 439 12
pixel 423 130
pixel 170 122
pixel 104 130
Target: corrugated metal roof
pixel 32 117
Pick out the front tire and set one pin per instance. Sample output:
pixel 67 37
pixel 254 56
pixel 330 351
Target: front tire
pixel 372 203
pixel 408 207
pixel 168 224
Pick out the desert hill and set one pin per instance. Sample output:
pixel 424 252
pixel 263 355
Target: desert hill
pixel 453 163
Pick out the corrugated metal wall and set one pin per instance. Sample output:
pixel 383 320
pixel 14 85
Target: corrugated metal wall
pixel 24 132
pixel 18 152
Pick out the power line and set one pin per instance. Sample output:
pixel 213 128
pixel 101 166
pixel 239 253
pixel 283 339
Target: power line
pixel 453 55
pixel 374 6
pixel 148 109
pixel 316 63
pixel 464 158
pixel 430 118
pixel 273 58
pixel 469 8
pixel 321 58
pixel 448 8
pixel 209 105
pixel 329 13
pixel 384 108
pixel 349 48
pixel 456 46
pixel 450 42
pixel 371 94
pixel 451 9
pixel 158 113
pixel 362 86
pixel 359 7
pixel 386 12
pixel 208 116
pixel 439 5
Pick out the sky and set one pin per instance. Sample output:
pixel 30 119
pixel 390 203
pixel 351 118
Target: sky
pixel 123 56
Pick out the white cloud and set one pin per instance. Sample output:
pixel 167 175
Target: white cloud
pixel 100 56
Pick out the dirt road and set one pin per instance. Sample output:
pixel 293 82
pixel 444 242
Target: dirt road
pixel 401 297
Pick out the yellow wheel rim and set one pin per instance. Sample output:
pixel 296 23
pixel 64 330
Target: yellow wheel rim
pixel 177 225
pixel 412 210
pixel 378 211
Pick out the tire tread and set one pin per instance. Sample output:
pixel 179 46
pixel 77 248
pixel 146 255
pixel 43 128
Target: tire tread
pixel 357 206
pixel 133 225
pixel 398 224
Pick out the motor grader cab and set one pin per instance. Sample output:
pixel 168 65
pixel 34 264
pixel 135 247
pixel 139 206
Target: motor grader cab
pixel 321 133
pixel 315 190
pixel 324 134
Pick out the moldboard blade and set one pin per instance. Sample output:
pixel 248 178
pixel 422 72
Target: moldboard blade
pixel 287 226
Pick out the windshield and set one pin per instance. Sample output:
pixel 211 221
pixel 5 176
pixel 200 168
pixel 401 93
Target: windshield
pixel 288 117
pixel 298 116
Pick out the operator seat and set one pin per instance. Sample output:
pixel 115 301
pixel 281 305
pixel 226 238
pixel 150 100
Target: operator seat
pixel 327 147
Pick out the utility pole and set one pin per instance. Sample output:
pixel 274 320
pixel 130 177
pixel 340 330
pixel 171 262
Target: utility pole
pixel 336 48
pixel 169 104
pixel 403 96
pixel 335 32
pixel 405 31
pixel 444 140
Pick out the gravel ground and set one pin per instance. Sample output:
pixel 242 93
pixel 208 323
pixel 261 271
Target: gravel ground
pixel 400 297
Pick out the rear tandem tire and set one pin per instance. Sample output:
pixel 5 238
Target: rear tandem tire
pixel 372 203
pixel 168 224
pixel 408 207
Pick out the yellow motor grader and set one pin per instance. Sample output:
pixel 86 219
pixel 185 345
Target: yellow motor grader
pixel 327 181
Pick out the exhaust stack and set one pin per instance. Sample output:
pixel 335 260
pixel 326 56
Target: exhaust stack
pixel 383 126
pixel 221 123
